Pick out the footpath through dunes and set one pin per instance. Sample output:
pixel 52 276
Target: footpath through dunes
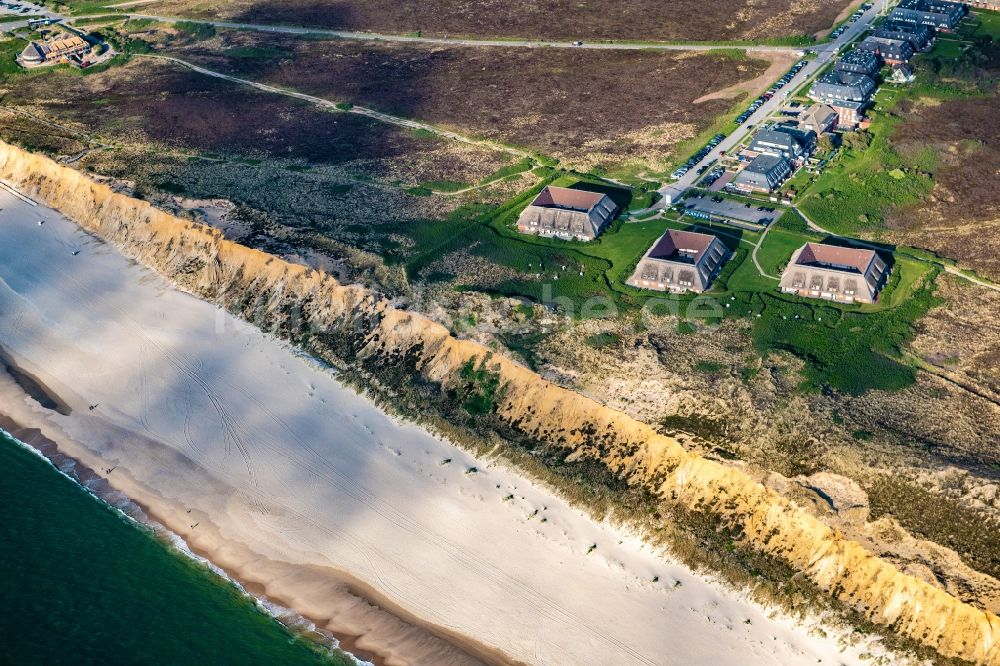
pixel 387 345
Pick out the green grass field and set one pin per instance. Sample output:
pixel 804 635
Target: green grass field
pixel 850 348
pixel 566 269
pixel 859 189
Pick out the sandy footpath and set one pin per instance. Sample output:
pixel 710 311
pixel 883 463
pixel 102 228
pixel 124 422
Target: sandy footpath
pixel 311 495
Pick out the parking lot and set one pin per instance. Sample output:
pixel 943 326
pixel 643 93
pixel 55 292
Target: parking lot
pixel 734 210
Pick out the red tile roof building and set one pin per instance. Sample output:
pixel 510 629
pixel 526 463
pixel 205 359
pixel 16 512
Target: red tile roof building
pixel 567 213
pixel 680 261
pixel 843 274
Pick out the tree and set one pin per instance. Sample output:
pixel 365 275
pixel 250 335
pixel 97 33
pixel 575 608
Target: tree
pixel 824 145
pixel 858 141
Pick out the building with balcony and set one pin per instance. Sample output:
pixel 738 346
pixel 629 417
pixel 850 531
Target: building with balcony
pixel 846 275
pixel 681 261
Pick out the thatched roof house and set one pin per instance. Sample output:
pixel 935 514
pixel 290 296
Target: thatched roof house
pixel 56 50
pixel 843 274
pixel 567 213
pixel 680 261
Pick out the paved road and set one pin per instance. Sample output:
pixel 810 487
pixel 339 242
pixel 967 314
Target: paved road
pixel 623 45
pixel 825 54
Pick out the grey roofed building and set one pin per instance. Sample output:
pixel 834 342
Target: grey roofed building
pixel 937 14
pixel 818 118
pixel 844 86
pixel 890 50
pixel 680 261
pixel 918 35
pixel 783 141
pixel 842 274
pixel 567 213
pixel 765 173
pixel 858 61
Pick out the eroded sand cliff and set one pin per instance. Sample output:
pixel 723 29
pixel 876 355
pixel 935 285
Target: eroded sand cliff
pixel 360 326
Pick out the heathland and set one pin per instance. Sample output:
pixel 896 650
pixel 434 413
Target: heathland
pixel 878 419
pixel 782 20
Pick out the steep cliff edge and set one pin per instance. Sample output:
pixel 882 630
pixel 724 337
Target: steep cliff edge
pixel 362 328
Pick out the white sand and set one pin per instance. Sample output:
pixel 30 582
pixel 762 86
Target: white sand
pixel 290 477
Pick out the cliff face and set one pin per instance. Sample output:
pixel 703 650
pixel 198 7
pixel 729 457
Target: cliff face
pixel 267 289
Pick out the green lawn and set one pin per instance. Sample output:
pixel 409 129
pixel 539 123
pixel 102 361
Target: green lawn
pixel 989 23
pixel 777 249
pixel 857 191
pixel 81 7
pixel 949 47
pixel 852 348
pixel 571 270
pixel 13 18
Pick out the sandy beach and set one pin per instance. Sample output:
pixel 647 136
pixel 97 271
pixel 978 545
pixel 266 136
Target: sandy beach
pixel 379 531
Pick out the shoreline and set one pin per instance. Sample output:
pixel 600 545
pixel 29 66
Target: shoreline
pixel 100 486
pixel 101 489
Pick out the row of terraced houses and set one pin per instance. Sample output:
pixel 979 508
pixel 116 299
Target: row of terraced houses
pixel 686 261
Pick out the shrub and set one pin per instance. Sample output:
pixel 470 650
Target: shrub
pixel 195 29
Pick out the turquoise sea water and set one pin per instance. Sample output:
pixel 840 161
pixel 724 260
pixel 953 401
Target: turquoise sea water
pixel 81 584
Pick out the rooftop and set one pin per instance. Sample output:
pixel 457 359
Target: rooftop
pixel 764 163
pixel 847 104
pixel 774 137
pixel 817 255
pixel 817 114
pixel 935 6
pixel 686 247
pixel 40 50
pixel 859 57
pixel 564 197
pixel 842 78
pixel 886 41
pixel 898 26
